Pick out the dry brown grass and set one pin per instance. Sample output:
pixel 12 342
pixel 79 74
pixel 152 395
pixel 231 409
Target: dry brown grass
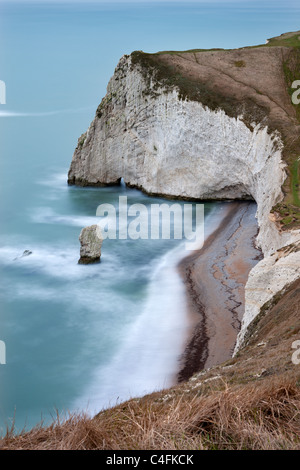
pixel 262 415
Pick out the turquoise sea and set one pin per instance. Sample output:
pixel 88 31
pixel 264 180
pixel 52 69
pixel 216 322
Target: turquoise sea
pixel 84 337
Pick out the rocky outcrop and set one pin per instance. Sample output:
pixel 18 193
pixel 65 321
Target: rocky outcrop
pixel 91 241
pixel 219 130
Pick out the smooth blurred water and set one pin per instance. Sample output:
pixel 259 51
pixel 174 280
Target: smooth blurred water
pixel 81 337
pixel 88 335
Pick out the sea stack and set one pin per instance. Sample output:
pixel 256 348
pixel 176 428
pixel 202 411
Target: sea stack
pixel 91 241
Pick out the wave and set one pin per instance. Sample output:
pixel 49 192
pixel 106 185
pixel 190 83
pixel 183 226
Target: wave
pixel 147 359
pixel 46 215
pixel 54 261
pixel 45 113
pixel 147 331
pixel 148 356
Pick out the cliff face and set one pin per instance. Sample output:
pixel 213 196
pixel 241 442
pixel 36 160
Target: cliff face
pixel 219 131
pixel 269 279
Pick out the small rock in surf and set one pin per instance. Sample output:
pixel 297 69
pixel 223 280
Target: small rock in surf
pixel 25 253
pixel 91 241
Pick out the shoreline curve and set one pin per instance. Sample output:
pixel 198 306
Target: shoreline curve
pixel 215 278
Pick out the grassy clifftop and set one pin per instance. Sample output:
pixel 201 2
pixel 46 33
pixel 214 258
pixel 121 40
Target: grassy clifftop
pixel 255 82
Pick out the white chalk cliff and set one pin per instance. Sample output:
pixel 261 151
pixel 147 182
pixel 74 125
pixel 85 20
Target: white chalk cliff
pixel 170 146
